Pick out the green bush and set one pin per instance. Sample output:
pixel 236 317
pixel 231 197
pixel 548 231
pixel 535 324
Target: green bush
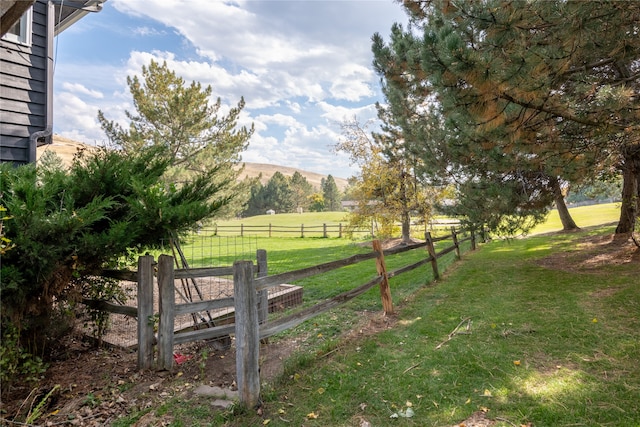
pixel 67 225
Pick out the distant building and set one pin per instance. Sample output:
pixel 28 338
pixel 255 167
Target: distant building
pixel 271 212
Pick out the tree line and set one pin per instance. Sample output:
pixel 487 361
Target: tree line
pixel 283 194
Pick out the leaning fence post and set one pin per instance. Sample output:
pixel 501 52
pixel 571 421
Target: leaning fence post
pixel 247 334
pixel 432 255
pixel 385 292
pixel 454 236
pixel 167 312
pixel 145 312
pixel 263 295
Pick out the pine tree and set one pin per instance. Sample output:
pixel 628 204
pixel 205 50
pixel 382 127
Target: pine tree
pixel 529 94
pixel 331 194
pixel 301 189
pixel 179 117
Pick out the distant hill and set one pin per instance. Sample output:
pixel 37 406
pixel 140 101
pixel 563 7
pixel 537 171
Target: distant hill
pixel 66 148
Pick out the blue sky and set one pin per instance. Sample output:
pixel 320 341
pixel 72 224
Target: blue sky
pixel 302 66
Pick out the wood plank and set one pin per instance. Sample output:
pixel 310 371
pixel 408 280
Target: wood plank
pixel 194 307
pixel 279 279
pixel 145 312
pixel 247 334
pixel 110 307
pixel 167 299
pixel 381 267
pixel 21 107
pixel 301 316
pixel 204 334
pixel 19 119
pixel 192 273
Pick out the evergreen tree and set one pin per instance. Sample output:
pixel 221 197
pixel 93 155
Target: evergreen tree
pixel 279 195
pixel 301 189
pixel 546 87
pixel 331 194
pixel 179 117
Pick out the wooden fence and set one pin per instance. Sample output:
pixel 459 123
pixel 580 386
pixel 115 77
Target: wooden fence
pixel 251 284
pixel 325 230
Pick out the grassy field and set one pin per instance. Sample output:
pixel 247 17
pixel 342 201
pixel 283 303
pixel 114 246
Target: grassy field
pixel 545 342
pixel 584 216
pixel 542 331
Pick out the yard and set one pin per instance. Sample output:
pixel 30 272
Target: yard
pixel 540 331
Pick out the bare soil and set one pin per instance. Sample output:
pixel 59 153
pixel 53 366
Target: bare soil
pixel 95 386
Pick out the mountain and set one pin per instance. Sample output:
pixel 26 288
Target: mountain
pixel 66 148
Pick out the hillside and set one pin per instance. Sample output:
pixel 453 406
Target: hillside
pixel 66 148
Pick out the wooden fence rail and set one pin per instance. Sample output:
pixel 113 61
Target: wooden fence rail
pixel 325 230
pixel 249 305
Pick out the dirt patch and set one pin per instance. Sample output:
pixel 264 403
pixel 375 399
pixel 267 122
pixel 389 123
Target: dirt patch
pixel 93 387
pixel 592 253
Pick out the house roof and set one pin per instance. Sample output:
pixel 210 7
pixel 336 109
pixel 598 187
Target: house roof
pixel 67 12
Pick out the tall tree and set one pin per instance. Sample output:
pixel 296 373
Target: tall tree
pixel 180 117
pixel 278 194
pixel 554 82
pixel 301 189
pixel 387 189
pixel 331 194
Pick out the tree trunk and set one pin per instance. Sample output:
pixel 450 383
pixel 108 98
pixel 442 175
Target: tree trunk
pixel 406 228
pixel 630 191
pixel 629 209
pixel 568 223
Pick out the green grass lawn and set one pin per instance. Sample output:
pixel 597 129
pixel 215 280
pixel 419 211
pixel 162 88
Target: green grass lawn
pixel 584 216
pixel 547 338
pixel 545 345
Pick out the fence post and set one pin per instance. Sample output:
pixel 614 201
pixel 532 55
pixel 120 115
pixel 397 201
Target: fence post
pixel 340 230
pixel 269 229
pixel 167 300
pixel 301 230
pixel 241 230
pixel 263 295
pixel 385 292
pixel 145 312
pixel 432 255
pixel 454 236
pixel 247 334
pixel 324 230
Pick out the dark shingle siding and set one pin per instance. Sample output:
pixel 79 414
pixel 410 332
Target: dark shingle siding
pixel 23 89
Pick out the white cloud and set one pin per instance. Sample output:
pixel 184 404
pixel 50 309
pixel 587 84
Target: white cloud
pixel 79 88
pixel 303 67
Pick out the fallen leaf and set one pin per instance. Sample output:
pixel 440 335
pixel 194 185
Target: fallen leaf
pixel 320 390
pixel 265 422
pixel 516 362
pixel 312 415
pixel 487 393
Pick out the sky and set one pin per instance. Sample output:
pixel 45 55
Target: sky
pixel 303 67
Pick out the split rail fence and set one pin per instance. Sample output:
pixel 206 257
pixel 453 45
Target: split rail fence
pixel 249 303
pixel 325 230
